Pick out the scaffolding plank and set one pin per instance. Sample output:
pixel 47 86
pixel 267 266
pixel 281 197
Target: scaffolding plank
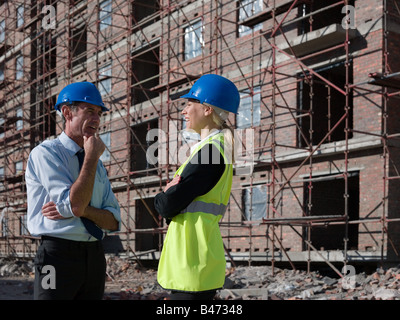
pixel 391 80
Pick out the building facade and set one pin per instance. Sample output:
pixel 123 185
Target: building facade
pixel 317 151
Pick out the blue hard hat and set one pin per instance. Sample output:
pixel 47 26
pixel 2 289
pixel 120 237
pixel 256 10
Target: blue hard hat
pixel 80 92
pixel 215 90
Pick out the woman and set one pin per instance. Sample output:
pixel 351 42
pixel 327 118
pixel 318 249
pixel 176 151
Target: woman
pixel 192 262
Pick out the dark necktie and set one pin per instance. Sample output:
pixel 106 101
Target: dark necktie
pixel 90 226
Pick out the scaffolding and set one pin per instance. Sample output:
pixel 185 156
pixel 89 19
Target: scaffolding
pixel 319 113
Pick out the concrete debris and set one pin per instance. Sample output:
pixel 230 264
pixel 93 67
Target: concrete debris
pixel 13 267
pixel 127 280
pixel 258 283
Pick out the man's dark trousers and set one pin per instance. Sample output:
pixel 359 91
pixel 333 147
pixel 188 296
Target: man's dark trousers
pixel 67 270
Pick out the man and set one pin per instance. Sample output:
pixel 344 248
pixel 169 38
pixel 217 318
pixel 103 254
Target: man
pixel 70 201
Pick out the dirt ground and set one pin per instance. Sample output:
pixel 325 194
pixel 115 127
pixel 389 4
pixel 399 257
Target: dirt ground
pixel 16 288
pixel 21 288
pixel 127 280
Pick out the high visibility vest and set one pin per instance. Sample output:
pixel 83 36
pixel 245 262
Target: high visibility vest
pixel 193 256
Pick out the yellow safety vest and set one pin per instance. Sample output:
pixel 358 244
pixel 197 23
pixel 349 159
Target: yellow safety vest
pixel 193 256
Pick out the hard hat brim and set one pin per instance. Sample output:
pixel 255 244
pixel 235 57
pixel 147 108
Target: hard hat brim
pixel 57 106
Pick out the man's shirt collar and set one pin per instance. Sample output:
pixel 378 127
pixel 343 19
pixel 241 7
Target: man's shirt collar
pixel 70 145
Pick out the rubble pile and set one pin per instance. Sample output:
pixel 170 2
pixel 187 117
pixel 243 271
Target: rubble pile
pixel 128 280
pixel 260 283
pixel 15 267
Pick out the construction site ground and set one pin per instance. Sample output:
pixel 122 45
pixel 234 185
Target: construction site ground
pixel 127 280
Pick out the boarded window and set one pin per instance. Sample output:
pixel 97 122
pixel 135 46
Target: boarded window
pixel 249 112
pixel 105 14
pixel 106 138
pixel 193 40
pixel 248 8
pixel 255 202
pixel 105 84
pixel 19 67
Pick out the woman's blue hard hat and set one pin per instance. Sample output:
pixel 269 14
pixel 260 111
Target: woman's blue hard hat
pixel 215 90
pixel 80 92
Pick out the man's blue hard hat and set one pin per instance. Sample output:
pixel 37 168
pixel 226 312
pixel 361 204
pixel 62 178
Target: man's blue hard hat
pixel 215 90
pixel 80 92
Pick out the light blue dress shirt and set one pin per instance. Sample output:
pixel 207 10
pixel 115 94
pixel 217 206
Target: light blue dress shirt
pixel 51 170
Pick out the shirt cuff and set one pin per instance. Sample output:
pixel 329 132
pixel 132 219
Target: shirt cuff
pixel 117 215
pixel 64 208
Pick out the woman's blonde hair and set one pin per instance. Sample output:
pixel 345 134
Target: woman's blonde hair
pixel 219 117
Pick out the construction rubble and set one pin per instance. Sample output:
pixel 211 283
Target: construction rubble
pixel 259 283
pixel 128 280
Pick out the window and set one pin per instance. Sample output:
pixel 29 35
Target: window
pixel 249 112
pixel 327 106
pixel 20 16
pixel 144 220
pixel 23 231
pixel 20 123
pixel 2 30
pixel 2 128
pixel 255 202
pixel 19 67
pixel 1 72
pixel 248 8
pixel 193 40
pixel 107 141
pixel 145 11
pixel 43 117
pixel 105 14
pixel 19 167
pixel 1 177
pixel 105 79
pixel 78 45
pixel 140 145
pixel 322 18
pixel 327 199
pixel 145 73
pixel 4 227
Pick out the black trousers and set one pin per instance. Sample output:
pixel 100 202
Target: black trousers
pixel 69 270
